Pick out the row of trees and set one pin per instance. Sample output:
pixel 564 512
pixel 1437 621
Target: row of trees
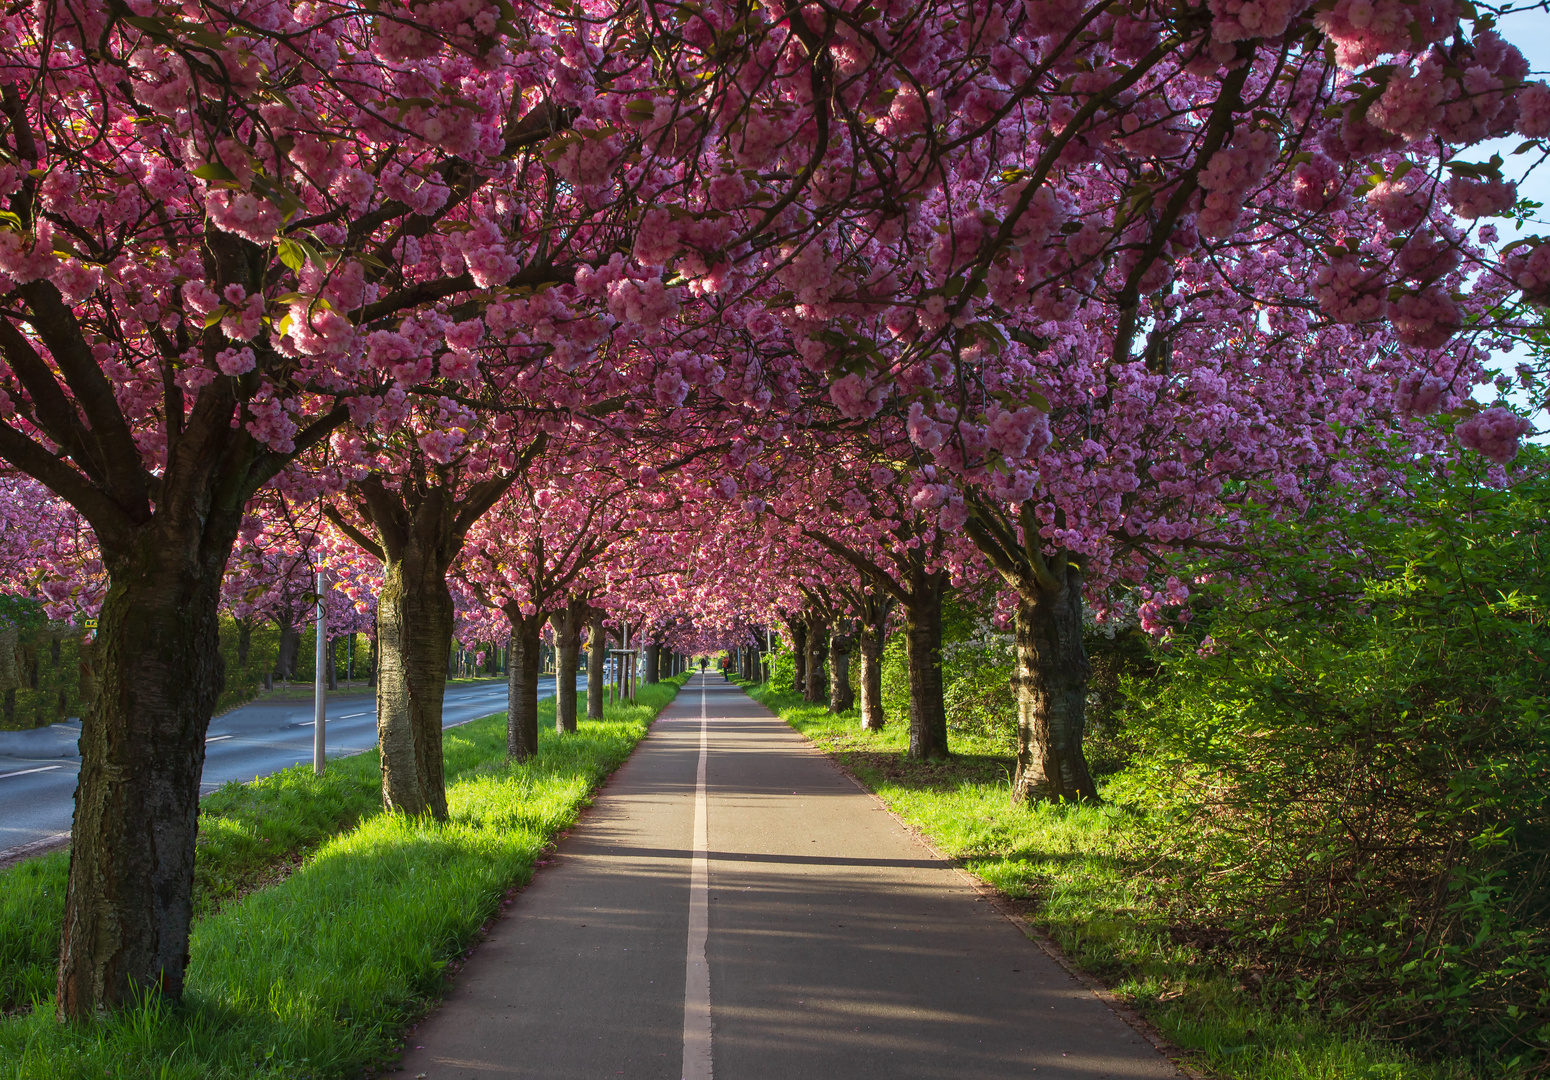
pixel 568 303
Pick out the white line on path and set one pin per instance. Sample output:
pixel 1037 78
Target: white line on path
pixel 218 738
pixel 25 772
pixel 349 715
pixel 697 1058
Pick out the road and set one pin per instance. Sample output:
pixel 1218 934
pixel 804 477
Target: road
pixel 37 782
pixel 732 905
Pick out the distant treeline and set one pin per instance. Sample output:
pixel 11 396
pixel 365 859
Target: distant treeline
pixel 46 672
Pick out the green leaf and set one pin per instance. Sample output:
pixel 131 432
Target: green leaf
pixel 214 170
pixel 292 255
pixel 207 37
pixel 149 23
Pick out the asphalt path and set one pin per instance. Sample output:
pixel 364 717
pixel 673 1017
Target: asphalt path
pixel 733 906
pixel 37 780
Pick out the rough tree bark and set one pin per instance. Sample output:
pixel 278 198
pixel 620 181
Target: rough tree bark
pixel 873 635
pixel 595 656
pixel 567 632
pixel 923 642
pixel 244 641
pixel 841 695
pixel 597 647
pixel 285 659
pixel 652 671
pixel 420 527
pixel 1050 677
pixel 1050 682
pixel 799 655
pixel 522 683
pixel 816 689
pixel 129 899
pixel 414 636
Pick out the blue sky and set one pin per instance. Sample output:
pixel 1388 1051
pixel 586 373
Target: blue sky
pixel 1530 32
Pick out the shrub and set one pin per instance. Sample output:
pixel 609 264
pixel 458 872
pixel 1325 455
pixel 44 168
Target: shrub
pixel 1356 762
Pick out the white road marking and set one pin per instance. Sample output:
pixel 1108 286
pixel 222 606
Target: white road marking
pixel 217 738
pixel 697 1055
pixel 27 772
pixel 349 716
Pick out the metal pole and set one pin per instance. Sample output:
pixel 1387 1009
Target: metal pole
pixel 318 719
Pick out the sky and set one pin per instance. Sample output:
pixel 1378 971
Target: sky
pixel 1530 32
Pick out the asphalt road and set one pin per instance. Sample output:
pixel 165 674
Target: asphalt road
pixel 37 783
pixel 734 906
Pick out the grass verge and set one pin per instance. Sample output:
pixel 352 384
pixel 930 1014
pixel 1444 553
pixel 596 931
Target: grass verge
pixel 1090 878
pixel 316 974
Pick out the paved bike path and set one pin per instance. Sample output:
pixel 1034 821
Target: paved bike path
pixel 836 944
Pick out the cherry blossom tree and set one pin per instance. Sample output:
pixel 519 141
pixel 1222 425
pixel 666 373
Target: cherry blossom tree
pixel 209 211
pixel 529 557
pixel 229 230
pixel 986 222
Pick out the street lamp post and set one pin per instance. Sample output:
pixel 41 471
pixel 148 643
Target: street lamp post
pixel 318 736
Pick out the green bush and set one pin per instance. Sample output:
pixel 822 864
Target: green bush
pixel 45 667
pixel 1352 753
pixel 52 678
pixel 783 669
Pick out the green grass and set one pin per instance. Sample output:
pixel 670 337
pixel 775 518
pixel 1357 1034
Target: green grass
pixel 316 975
pixel 1090 877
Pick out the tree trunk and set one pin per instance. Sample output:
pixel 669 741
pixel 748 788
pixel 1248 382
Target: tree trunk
pixel 816 690
pixel 332 660
pixel 86 670
pixel 567 632
pixel 923 639
pixel 129 899
pixel 597 646
pixel 244 641
pixel 414 633
pixel 285 660
pixel 841 696
pixel 873 630
pixel 1050 682
pixel 653 665
pixel 799 655
pixel 527 633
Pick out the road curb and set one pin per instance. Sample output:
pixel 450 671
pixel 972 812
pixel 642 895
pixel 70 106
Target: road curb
pixel 11 856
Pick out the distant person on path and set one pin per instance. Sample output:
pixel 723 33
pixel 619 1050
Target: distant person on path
pixel 704 663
